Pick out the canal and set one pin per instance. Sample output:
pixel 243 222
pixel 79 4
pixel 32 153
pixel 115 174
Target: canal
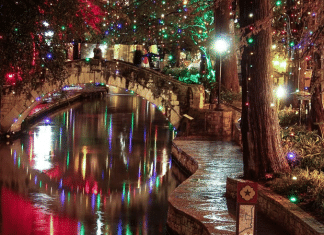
pixel 100 166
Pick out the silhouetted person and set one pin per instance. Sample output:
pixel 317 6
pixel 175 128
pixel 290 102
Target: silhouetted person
pixel 150 56
pixel 97 54
pixel 137 60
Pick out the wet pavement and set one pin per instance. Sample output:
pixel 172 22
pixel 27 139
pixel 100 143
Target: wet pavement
pixel 203 194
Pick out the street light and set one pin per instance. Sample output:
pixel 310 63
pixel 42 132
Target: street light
pixel 280 93
pixel 221 45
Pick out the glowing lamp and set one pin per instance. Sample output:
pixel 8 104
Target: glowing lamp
pixel 281 92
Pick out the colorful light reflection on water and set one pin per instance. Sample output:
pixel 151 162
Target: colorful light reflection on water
pixel 98 167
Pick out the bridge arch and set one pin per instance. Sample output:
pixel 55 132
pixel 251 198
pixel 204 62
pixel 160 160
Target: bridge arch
pixel 162 90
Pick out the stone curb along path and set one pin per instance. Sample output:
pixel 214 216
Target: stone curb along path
pixel 198 205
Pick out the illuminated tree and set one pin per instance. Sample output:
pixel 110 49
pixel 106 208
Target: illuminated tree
pixel 298 32
pixel 34 35
pixel 262 151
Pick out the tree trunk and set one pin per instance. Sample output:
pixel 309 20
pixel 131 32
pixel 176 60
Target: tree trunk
pixel 263 132
pixel 224 25
pixel 317 111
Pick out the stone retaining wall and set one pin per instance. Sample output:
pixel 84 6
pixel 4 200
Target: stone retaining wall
pixel 179 221
pixel 280 210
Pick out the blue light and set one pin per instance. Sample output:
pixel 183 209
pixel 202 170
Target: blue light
pixel 107 32
pixel 291 155
pixel 49 55
pixel 119 26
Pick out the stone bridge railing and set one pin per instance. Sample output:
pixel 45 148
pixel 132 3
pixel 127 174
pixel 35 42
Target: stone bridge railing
pixel 173 97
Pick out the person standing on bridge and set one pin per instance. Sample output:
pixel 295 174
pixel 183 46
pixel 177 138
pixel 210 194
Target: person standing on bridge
pixel 138 57
pixel 97 54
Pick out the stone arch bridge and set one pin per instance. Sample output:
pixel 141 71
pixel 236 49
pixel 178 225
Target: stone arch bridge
pixel 175 97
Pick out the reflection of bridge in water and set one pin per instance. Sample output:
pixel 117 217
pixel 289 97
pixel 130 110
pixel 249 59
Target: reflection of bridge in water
pixel 29 164
pixel 87 194
pixel 174 97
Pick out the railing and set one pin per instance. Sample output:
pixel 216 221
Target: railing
pixel 159 83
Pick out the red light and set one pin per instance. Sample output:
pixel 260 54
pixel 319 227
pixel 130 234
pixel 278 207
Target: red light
pixel 247 104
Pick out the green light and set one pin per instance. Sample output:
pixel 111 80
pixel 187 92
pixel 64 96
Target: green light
pixel 87 59
pixel 293 199
pixel 128 198
pixel 250 40
pixel 278 3
pixel 16 29
pixel 157 183
pixel 40 184
pixel 98 201
pixel 165 36
pixel 170 57
pixel 160 108
pixel 124 188
pixel 63 27
pixel 82 231
pixel 68 160
pixel 291 44
pixel 128 230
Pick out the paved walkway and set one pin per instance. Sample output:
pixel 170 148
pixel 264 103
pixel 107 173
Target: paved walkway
pixel 205 190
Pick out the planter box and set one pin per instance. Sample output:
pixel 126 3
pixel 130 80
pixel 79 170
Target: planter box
pixel 280 210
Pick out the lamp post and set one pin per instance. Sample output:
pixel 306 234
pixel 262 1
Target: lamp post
pixel 221 45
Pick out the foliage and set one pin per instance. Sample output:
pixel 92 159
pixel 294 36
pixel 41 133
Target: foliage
pixel 34 37
pixel 305 153
pixel 290 117
pixel 306 186
pixel 230 97
pixel 189 76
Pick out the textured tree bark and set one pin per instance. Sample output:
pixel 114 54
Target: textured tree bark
pixel 223 25
pixel 317 111
pixel 263 132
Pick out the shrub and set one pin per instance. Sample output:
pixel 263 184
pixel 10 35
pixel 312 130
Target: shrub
pixel 306 181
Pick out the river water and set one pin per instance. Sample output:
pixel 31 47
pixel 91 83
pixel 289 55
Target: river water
pixel 99 166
